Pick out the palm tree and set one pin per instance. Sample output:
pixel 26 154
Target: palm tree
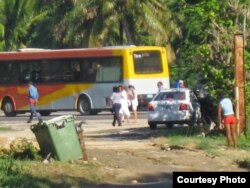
pixel 50 33
pixel 109 22
pixel 2 18
pixel 125 21
pixel 16 18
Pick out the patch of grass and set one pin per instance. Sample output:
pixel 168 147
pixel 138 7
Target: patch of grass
pixel 244 138
pixel 214 144
pixel 8 129
pixel 27 173
pixel 74 173
pixel 209 143
pixel 10 172
pixel 5 129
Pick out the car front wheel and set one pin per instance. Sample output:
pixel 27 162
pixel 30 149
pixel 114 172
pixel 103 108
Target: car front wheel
pixel 169 125
pixel 152 126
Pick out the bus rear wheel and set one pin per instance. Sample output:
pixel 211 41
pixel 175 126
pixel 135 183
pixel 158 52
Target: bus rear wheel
pixel 83 106
pixel 8 108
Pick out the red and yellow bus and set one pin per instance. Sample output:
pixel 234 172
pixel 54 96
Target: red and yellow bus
pixel 79 79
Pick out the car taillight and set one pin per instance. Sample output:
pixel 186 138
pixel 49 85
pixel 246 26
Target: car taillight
pixel 183 106
pixel 150 107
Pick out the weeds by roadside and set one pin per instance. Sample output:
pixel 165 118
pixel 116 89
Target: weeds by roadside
pixel 213 144
pixel 21 166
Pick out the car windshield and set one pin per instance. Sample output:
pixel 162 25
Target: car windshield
pixel 170 95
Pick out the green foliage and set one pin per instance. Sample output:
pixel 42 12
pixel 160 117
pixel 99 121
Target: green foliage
pixel 16 19
pixel 11 172
pixel 9 167
pixel 247 81
pixel 207 43
pixel 244 138
pixel 87 23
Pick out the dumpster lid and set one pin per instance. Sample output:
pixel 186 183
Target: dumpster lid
pixel 61 119
pixel 58 121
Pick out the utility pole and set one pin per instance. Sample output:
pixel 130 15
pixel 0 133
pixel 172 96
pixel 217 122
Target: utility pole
pixel 239 82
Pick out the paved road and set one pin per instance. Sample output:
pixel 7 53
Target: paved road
pixel 104 115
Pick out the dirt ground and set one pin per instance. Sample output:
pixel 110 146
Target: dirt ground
pixel 132 154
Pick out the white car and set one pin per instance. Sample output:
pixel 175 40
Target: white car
pixel 173 106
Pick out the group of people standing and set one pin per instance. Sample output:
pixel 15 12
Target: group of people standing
pixel 124 99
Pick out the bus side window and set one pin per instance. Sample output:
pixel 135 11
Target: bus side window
pixel 36 76
pixel 46 71
pixel 77 72
pixel 24 76
pixel 8 73
pixel 91 72
pixel 4 73
pixel 35 71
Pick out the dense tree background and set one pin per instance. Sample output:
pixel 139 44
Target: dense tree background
pixel 198 34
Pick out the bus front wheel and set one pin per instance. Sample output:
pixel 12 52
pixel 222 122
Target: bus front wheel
pixel 84 106
pixel 8 108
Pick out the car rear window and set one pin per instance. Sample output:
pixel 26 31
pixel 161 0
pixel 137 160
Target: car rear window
pixel 172 95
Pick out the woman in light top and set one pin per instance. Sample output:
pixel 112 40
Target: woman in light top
pixel 225 110
pixel 134 101
pixel 124 112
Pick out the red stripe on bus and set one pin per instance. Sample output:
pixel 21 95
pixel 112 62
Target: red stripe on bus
pixel 46 90
pixel 46 54
pixel 20 93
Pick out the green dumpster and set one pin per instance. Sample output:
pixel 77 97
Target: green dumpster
pixel 58 137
